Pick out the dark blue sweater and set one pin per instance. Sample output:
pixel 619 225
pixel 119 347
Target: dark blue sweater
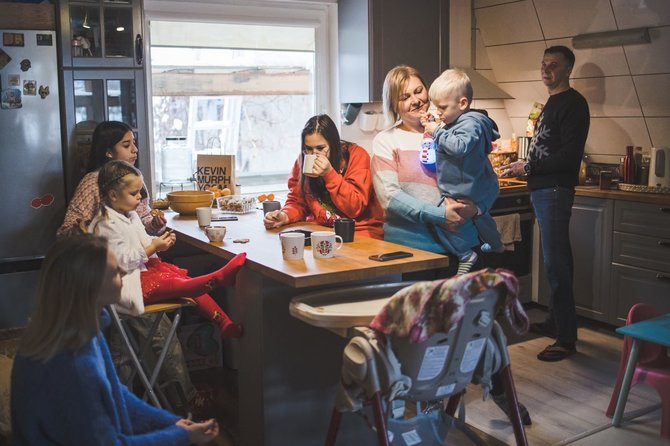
pixel 76 398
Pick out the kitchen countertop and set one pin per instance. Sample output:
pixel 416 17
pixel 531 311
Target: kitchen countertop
pixel 615 194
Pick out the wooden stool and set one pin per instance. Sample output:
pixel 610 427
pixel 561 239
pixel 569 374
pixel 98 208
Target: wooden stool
pixel 139 350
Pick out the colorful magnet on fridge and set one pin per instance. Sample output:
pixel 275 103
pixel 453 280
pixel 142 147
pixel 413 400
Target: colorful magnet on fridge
pixel 44 91
pixel 29 88
pixel 11 98
pixel 25 65
pixel 38 202
pixel 4 59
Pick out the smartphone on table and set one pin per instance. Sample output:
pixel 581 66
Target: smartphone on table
pixel 390 256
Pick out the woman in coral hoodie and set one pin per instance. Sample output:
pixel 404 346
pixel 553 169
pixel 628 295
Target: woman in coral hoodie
pixel 341 185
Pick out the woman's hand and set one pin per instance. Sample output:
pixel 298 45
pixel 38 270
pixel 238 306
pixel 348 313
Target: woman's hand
pixel 514 169
pixel 275 219
pixel 200 433
pixel 321 165
pixel 457 211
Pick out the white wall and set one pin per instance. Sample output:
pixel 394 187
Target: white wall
pixel 627 87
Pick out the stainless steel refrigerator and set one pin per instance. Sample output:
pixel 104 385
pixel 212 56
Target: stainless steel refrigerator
pixel 31 166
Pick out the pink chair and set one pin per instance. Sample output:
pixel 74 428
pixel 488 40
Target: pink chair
pixel 652 367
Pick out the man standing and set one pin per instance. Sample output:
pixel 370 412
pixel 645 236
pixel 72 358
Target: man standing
pixel 552 169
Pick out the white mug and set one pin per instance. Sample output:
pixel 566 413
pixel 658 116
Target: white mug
pixel 215 233
pixel 308 165
pixel 204 216
pixel 324 244
pixel 292 245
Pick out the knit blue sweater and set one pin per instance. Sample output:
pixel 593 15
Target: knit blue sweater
pixel 76 398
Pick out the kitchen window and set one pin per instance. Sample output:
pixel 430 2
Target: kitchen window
pixel 233 89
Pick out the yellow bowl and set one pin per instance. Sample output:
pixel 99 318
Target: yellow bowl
pixel 185 201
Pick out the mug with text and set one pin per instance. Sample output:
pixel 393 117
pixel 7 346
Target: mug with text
pixel 324 244
pixel 292 245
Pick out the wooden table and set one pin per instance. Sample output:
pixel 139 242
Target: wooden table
pixel 288 370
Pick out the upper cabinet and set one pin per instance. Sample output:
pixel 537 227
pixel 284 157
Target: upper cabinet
pixel 376 35
pixel 101 33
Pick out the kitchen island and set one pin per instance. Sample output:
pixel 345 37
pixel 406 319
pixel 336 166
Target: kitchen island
pixel 287 370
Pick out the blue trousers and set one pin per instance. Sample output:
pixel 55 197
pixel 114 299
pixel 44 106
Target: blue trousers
pixel 553 209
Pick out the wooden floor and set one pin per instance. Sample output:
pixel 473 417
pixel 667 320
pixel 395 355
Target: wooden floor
pixel 567 399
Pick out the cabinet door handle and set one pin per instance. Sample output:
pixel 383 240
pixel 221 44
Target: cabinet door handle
pixel 664 243
pixel 139 50
pixel 666 210
pixel 663 277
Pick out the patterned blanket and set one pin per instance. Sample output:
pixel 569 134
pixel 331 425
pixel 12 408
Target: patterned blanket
pixel 425 308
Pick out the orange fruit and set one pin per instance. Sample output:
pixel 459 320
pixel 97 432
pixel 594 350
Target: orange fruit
pixel 262 197
pixel 271 196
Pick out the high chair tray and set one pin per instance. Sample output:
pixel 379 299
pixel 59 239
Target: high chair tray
pixel 343 307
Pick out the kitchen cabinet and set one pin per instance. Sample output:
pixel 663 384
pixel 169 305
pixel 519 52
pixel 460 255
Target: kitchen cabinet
pixel 591 242
pixel 101 33
pixel 640 258
pixel 376 35
pixel 103 77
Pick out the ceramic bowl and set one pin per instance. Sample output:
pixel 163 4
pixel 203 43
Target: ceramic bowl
pixel 185 201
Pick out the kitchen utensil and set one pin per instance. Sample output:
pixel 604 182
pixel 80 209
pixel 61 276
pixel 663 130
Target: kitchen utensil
pixel 523 147
pixel 659 169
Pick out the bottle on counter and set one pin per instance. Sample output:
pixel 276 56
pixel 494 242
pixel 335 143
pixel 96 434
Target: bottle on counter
pixel 637 156
pixel 629 166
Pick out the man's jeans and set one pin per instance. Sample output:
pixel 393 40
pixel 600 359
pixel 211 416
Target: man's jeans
pixel 553 208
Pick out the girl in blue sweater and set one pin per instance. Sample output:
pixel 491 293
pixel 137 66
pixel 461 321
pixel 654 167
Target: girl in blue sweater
pixel 64 387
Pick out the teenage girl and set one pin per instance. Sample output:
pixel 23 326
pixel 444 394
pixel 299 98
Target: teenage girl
pixel 148 278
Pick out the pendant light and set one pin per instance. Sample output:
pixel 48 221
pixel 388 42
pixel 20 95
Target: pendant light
pixel 85 24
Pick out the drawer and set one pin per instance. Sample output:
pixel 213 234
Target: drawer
pixel 634 285
pixel 642 251
pixel 642 218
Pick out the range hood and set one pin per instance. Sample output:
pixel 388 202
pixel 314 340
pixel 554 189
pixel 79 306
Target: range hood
pixel 461 51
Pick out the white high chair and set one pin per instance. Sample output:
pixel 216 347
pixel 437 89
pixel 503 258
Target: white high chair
pixel 379 369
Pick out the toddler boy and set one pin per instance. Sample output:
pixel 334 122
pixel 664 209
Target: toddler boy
pixel 463 139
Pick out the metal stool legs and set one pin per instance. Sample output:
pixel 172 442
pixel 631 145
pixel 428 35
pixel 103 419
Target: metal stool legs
pixel 147 377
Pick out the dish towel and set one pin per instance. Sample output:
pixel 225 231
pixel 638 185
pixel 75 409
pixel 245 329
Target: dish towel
pixel 509 227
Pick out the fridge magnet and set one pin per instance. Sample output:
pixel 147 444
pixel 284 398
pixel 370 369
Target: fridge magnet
pixel 25 65
pixel 44 91
pixel 11 98
pixel 4 59
pixel 14 80
pixel 12 39
pixel 38 202
pixel 45 40
pixel 29 88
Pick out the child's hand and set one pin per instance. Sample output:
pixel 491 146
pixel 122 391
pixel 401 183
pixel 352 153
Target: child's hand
pixel 426 117
pixel 164 241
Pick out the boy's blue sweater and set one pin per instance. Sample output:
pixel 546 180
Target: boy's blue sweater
pixel 76 398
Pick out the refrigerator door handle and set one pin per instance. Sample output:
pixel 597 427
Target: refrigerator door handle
pixel 139 49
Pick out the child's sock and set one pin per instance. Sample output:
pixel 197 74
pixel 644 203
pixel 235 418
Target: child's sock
pixel 211 310
pixel 486 247
pixel 466 262
pixel 226 275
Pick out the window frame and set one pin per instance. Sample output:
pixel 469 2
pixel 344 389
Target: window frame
pixel 322 17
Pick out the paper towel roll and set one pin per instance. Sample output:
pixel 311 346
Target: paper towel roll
pixel 367 121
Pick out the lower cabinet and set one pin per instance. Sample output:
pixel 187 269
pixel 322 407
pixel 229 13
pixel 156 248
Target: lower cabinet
pixel 591 242
pixel 640 258
pixel 631 285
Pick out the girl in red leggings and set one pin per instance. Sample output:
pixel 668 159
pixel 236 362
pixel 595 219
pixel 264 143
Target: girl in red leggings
pixel 147 278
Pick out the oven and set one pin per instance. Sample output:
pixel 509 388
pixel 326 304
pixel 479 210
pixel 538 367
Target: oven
pixel 515 198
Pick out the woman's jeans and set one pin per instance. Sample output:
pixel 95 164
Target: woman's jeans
pixel 553 208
